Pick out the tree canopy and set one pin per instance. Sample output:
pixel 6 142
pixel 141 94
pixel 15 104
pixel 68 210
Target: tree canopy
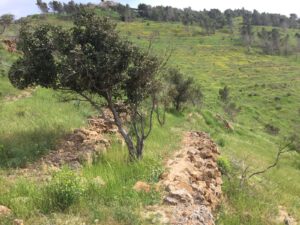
pixel 92 61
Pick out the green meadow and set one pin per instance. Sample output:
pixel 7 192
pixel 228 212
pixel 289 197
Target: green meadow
pixel 267 88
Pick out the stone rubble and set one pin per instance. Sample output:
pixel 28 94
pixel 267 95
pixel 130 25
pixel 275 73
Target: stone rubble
pixel 192 184
pixel 4 211
pixel 83 146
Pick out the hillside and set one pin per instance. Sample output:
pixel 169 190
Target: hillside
pixel 267 88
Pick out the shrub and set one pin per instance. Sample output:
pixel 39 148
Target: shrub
pixel 224 165
pixel 232 110
pixel 4 155
pixel 221 142
pixel 224 94
pixel 63 190
pixel 271 129
pixel 182 90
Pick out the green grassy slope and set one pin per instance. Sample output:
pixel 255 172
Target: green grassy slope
pixel 266 87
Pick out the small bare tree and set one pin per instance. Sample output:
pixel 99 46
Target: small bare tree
pixel 288 145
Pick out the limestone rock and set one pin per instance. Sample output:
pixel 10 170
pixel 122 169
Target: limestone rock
pixel 18 222
pixel 142 186
pixel 4 211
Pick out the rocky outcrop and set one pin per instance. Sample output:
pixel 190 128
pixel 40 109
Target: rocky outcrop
pixel 192 184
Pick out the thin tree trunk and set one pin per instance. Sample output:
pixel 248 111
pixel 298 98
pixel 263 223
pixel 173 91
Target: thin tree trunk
pixel 125 135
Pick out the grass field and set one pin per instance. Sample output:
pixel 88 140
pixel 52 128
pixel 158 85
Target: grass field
pixel 267 88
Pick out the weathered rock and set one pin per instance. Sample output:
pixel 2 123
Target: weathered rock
pixel 171 201
pixel 4 211
pixel 193 182
pixel 142 186
pixel 182 195
pixel 18 222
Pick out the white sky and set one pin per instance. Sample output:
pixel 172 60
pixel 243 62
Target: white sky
pixel 25 7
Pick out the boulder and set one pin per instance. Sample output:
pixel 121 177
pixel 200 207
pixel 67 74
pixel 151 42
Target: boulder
pixel 182 195
pixel 142 186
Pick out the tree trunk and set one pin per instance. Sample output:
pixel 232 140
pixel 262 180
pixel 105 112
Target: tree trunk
pixel 139 148
pixel 131 149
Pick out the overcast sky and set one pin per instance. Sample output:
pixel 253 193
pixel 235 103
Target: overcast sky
pixel 26 7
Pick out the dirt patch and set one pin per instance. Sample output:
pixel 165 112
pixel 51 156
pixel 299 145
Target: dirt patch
pixel 24 94
pixel 284 217
pixel 192 184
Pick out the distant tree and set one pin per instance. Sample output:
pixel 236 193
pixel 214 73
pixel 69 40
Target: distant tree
pixel 125 12
pixel 56 6
pixel 294 21
pixel 272 42
pixel 187 16
pixel 246 31
pixel 218 18
pixel 182 90
pixel 285 44
pixel 42 6
pixel 275 37
pixel 144 10
pixel 5 21
pixel 266 44
pixel 92 61
pixel 71 7
pixel 208 24
pixel 297 36
pixel 229 14
pixel 224 94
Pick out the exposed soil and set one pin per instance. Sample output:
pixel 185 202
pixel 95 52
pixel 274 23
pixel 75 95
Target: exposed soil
pixel 284 217
pixel 24 94
pixel 192 184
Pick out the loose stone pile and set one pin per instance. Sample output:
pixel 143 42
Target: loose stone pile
pixel 83 146
pixel 192 184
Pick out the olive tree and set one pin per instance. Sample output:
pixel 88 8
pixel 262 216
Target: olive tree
pixel 92 61
pixel 5 21
pixel 182 89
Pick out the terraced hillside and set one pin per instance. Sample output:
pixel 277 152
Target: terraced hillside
pixel 267 88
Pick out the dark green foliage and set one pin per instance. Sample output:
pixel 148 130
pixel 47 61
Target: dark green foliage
pixel 246 31
pixel 224 94
pixel 224 165
pixel 56 6
pixel 271 129
pixel 90 59
pixel 42 6
pixel 182 90
pixel 5 21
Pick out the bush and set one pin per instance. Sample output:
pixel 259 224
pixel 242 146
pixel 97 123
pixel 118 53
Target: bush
pixel 224 165
pixel 224 94
pixel 271 129
pixel 182 90
pixel 63 190
pixel 221 142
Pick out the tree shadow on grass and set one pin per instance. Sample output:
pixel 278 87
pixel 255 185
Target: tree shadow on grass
pixel 18 149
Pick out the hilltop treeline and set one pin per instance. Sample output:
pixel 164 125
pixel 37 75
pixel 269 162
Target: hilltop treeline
pixel 187 15
pixel 214 18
